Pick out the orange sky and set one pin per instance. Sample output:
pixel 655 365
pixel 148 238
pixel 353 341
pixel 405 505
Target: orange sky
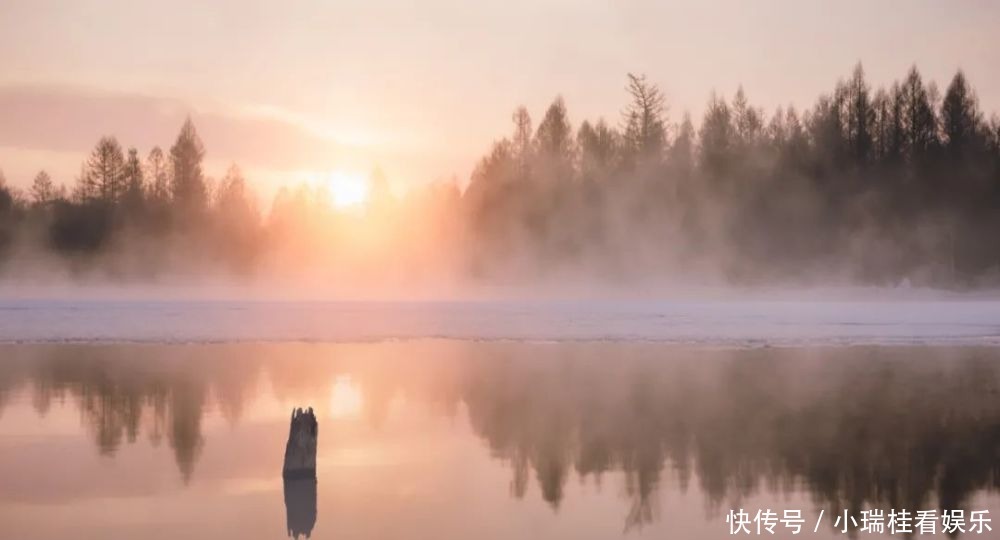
pixel 290 88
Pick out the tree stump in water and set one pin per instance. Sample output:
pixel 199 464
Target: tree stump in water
pixel 300 452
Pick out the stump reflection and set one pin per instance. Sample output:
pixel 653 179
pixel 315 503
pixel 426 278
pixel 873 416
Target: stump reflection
pixel 300 506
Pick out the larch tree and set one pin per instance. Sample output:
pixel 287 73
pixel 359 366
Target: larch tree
pixel 645 127
pixel 6 196
pixel 599 146
pixel 43 190
pixel 521 141
pixel 103 178
pixel 961 120
pixel 682 150
pixel 747 121
pixel 860 117
pixel 233 199
pixel 157 174
pixel 134 196
pixel 919 121
pixel 717 138
pixel 554 142
pixel 188 187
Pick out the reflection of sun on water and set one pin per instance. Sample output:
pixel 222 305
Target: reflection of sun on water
pixel 347 189
pixel 345 398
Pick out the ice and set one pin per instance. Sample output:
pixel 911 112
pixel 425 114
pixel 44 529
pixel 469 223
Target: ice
pixel 715 322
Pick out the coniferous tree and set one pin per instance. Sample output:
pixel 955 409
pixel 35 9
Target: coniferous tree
pixel 235 205
pixel 554 136
pixel 7 216
pixel 188 187
pixel 523 153
pixel 134 197
pixel 682 150
pixel 860 117
pixel 157 173
pixel 103 177
pixel 682 166
pixel 717 139
pixel 600 153
pixel 891 183
pixel 6 197
pixel 796 145
pixel 645 133
pixel 43 190
pixel 747 122
pixel 919 122
pixel 881 125
pixel 961 120
pixel 826 129
pixel 894 144
pixel 554 142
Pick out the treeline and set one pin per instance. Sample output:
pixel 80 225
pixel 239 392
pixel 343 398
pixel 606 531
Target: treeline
pixel 876 186
pixel 134 218
pixel 142 210
pixel 872 186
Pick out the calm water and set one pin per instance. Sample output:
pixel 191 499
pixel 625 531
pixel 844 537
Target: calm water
pixel 454 440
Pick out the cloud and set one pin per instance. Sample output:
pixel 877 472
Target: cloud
pixel 70 119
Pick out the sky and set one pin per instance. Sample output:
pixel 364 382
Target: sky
pixel 293 89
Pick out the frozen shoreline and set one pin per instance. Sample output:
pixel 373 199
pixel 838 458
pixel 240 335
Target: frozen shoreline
pixel 737 323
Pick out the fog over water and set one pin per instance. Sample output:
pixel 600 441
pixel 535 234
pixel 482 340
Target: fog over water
pixel 896 186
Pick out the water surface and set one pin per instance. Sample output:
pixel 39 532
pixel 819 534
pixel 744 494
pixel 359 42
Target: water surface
pixel 459 439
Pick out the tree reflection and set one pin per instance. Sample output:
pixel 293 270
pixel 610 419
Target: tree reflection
pixel 187 402
pixel 118 389
pixel 855 427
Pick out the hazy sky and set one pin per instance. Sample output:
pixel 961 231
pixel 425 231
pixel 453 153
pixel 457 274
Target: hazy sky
pixel 422 88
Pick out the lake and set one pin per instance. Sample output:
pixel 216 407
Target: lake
pixel 448 439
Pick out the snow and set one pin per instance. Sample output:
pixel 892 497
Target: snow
pixel 715 322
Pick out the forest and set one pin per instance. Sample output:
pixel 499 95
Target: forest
pixel 873 186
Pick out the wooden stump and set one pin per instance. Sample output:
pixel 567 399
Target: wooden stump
pixel 300 451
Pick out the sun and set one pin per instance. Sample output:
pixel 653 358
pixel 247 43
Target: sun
pixel 347 189
pixel 345 397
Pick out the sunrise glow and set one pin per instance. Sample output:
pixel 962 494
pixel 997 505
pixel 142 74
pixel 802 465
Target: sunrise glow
pixel 346 189
pixel 345 398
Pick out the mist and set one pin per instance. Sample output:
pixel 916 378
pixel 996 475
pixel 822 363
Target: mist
pixel 888 187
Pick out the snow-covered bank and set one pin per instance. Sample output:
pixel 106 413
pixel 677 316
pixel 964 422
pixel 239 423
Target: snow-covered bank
pixel 715 322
